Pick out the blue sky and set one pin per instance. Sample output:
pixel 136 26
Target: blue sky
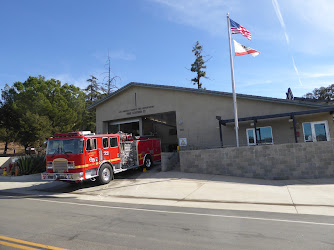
pixel 150 41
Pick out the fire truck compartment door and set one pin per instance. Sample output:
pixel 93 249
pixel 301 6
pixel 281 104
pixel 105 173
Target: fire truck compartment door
pixel 100 155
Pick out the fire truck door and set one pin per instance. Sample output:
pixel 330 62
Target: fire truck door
pixel 91 149
pixel 114 149
pixel 104 153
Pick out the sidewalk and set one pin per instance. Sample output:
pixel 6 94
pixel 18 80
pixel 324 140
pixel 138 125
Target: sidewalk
pixel 311 196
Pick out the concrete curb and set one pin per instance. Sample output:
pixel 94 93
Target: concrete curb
pixel 23 178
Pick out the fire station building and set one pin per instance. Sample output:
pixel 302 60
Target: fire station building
pixel 199 119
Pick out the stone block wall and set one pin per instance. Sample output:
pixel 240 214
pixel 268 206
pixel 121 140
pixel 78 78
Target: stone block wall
pixel 5 160
pixel 283 161
pixel 4 163
pixel 169 161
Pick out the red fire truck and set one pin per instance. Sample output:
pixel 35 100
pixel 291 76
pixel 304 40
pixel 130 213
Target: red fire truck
pixel 77 156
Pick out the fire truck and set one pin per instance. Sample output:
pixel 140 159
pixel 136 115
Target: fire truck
pixel 78 156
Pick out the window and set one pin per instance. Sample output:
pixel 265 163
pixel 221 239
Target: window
pixel 113 142
pixel 250 136
pixel 73 146
pixel 91 144
pixel 316 131
pixel 68 146
pixel 263 136
pixel 54 147
pixel 307 132
pixel 105 142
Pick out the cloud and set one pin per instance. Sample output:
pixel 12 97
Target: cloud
pixel 281 20
pixel 318 75
pixel 119 54
pixel 278 13
pixel 317 14
pixel 321 71
pixel 315 77
pixel 79 81
pixel 302 90
pixel 296 70
pixel 203 14
pixel 310 25
pixel 122 55
pixel 255 83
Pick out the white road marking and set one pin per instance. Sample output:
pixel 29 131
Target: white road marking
pixel 177 212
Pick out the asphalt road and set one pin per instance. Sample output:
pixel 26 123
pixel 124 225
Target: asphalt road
pixel 77 224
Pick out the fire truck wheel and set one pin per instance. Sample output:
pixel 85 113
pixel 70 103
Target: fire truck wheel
pixel 148 162
pixel 105 174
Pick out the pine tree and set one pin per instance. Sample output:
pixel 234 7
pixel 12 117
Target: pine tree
pixel 93 89
pixel 198 65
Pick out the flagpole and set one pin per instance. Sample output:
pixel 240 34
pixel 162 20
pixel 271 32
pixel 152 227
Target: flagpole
pixel 233 85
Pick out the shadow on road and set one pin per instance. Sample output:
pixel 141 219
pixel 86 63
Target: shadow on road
pixel 56 187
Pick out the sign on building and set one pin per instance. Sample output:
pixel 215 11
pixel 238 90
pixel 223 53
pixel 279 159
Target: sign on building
pixel 182 142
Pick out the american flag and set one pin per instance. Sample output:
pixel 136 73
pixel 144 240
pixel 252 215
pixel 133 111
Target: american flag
pixel 238 29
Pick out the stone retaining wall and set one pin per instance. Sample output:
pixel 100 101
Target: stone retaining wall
pixel 4 163
pixel 169 161
pixel 283 161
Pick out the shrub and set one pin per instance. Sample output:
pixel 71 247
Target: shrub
pixel 31 164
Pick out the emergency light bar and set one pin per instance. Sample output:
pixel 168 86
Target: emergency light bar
pixel 79 133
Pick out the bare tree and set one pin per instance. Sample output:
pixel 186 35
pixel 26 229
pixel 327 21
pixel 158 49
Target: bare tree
pixel 111 78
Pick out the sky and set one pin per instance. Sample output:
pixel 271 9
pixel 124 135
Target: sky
pixel 150 41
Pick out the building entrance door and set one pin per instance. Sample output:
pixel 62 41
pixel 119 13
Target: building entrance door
pixel 130 127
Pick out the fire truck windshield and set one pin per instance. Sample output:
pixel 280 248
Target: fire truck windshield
pixel 66 146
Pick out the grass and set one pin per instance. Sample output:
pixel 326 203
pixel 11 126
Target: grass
pixel 19 150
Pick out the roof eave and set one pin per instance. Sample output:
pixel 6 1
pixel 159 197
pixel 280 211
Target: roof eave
pixel 212 92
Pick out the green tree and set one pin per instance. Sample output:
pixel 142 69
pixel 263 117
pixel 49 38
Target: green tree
pixel 34 130
pixel 322 93
pixel 94 89
pixel 198 65
pixel 89 119
pixel 46 107
pixel 62 104
pixel 9 118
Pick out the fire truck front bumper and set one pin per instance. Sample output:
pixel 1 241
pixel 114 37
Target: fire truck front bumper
pixel 62 176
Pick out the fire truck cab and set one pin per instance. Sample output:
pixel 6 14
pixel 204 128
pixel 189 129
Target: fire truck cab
pixel 78 156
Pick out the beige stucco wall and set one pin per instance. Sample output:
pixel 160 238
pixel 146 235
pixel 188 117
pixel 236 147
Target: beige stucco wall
pixel 282 129
pixel 198 114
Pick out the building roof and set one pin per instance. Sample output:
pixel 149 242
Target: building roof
pixel 279 115
pixel 207 92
